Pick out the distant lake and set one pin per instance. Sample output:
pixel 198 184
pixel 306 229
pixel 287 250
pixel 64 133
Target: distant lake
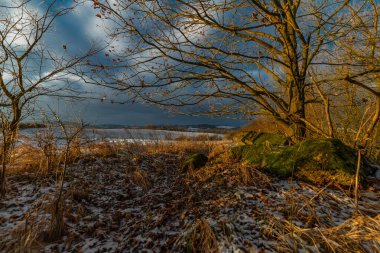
pixel 121 135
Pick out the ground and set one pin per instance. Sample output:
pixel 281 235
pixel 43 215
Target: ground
pixel 140 201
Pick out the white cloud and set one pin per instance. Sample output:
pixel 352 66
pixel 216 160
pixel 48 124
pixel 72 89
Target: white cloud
pixel 94 27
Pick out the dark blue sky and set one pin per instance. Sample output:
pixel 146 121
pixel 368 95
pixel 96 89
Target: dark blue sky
pixel 77 31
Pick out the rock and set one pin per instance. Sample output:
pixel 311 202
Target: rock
pixel 194 161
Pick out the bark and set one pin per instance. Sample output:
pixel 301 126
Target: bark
pixel 297 111
pixel 9 138
pixel 8 143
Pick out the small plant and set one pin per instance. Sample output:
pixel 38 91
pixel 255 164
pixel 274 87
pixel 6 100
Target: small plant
pixel 71 133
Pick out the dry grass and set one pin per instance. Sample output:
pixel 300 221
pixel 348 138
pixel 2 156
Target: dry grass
pixel 201 137
pixel 358 234
pixel 101 150
pixel 263 124
pixel 181 147
pixel 79 192
pixel 29 235
pixel 28 238
pixel 141 178
pixel 223 169
pixel 200 238
pixel 27 159
pixel 57 226
pixel 249 175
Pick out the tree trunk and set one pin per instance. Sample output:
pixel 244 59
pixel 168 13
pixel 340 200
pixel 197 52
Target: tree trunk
pixel 8 141
pixel 3 169
pixel 9 138
pixel 297 113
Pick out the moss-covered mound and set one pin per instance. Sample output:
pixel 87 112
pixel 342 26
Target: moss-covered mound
pixel 318 161
pixel 259 145
pixel 194 161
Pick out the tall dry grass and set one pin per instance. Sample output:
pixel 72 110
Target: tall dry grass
pixel 199 237
pixel 358 234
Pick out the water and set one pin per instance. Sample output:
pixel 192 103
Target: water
pixel 119 135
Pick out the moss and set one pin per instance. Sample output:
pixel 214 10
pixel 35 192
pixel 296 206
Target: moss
pixel 194 161
pixel 318 161
pixel 259 139
pixel 250 137
pixel 261 145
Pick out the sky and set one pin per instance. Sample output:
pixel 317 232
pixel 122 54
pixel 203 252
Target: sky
pixel 77 30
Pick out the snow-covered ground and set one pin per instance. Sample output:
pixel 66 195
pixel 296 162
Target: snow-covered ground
pixel 142 203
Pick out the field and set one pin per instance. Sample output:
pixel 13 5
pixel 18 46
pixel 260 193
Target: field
pixel 134 197
pixel 190 126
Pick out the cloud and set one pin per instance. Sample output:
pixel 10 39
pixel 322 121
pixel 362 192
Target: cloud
pixel 93 26
pixel 75 31
pixel 23 19
pixel 97 112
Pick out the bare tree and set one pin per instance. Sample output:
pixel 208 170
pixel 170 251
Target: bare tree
pixel 254 55
pixel 364 64
pixel 353 74
pixel 28 66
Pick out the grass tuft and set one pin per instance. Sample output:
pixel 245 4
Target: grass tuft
pixel 201 238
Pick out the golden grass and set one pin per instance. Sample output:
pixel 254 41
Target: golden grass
pixel 358 234
pixel 141 178
pixel 101 150
pixel 27 159
pixel 30 234
pixel 28 238
pixel 181 147
pixel 201 238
